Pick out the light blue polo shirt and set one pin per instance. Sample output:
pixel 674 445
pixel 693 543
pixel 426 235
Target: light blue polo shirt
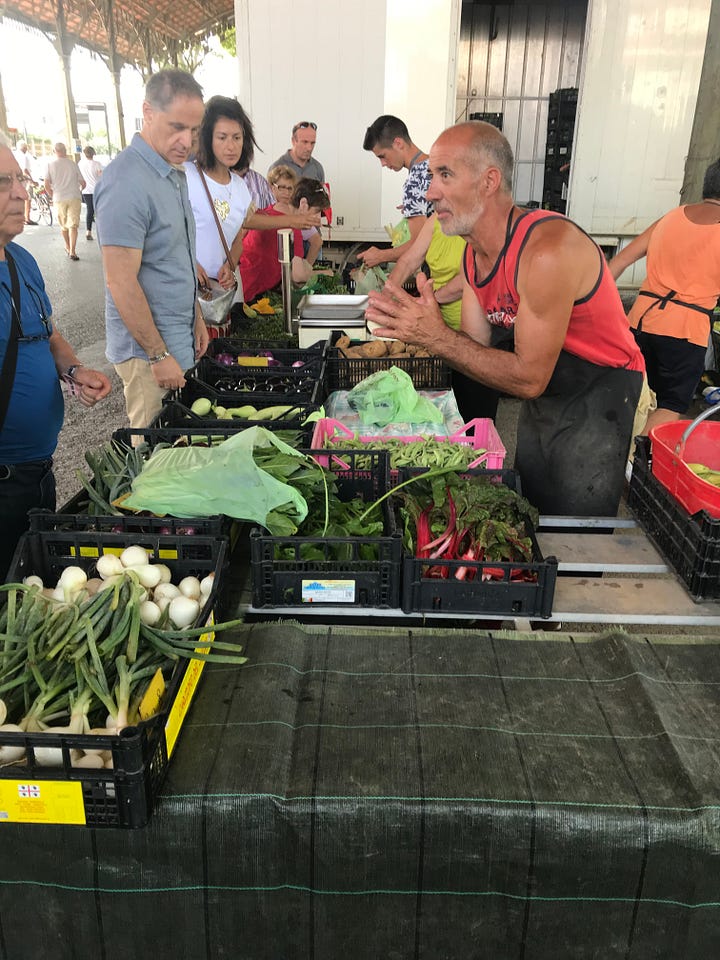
pixel 141 201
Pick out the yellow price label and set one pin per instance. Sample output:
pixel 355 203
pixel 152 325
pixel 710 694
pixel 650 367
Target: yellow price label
pixel 186 692
pixel 41 801
pixel 150 703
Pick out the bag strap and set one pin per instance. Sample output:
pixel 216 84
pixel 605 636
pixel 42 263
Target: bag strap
pixel 7 375
pixel 217 219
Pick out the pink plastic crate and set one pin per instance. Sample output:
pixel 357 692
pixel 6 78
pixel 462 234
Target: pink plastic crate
pixel 480 434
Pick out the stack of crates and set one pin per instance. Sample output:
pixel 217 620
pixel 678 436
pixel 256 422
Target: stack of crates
pixel 558 148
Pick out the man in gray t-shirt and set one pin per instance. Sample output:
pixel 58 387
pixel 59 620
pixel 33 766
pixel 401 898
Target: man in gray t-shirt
pixel 146 229
pixel 299 157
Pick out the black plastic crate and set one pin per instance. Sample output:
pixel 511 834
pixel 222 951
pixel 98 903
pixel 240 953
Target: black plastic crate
pixel 345 574
pixel 239 385
pixel 496 119
pixel 499 594
pixel 73 516
pixel 565 96
pixel 125 795
pixel 176 410
pixel 238 345
pixel 690 543
pixel 178 415
pixel 249 352
pixel 426 373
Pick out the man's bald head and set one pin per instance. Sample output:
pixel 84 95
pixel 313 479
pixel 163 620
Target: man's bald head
pixel 481 145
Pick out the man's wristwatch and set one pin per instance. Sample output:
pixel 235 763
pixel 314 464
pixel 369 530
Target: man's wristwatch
pixel 159 358
pixel 70 372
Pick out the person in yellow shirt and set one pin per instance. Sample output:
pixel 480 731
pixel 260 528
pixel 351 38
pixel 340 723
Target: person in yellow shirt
pixel 444 256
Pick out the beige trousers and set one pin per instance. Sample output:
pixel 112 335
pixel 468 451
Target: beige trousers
pixel 143 397
pixel 646 404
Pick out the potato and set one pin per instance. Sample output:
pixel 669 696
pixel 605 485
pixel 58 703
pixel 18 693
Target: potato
pixel 343 342
pixel 422 352
pixel 396 346
pixel 353 353
pixel 374 348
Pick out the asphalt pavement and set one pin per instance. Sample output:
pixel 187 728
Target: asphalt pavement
pixel 76 292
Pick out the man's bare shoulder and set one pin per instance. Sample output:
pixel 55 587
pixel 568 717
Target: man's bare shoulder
pixel 558 248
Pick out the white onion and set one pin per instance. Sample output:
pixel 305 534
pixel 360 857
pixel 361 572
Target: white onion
pixel 148 574
pixel 150 613
pixel 207 584
pixel 190 587
pixel 33 581
pixel 134 556
pixel 108 565
pixel 183 611
pixel 165 572
pixel 168 590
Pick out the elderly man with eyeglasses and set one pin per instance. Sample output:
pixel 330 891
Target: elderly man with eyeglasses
pixel 34 357
pixel 299 157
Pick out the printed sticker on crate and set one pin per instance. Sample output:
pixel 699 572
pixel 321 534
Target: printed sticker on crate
pixel 328 591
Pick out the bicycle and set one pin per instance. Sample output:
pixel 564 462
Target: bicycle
pixel 40 206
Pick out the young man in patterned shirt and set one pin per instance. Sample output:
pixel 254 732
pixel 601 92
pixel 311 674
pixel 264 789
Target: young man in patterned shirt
pixel 388 138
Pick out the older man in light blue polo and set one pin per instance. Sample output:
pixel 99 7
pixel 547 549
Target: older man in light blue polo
pixel 154 328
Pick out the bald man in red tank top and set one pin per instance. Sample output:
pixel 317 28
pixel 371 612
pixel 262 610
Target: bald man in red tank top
pixel 575 363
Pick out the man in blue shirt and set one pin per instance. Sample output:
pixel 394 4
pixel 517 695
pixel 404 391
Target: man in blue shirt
pixel 154 328
pixel 32 415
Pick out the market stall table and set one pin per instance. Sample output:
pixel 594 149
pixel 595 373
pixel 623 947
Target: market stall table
pixel 381 792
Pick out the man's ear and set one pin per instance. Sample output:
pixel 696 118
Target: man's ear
pixel 303 205
pixel 398 143
pixel 147 111
pixel 492 179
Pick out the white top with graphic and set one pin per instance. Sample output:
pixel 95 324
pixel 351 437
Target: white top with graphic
pixel 231 203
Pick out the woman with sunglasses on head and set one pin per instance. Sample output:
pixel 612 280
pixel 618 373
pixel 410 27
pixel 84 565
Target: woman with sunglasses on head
pixel 34 356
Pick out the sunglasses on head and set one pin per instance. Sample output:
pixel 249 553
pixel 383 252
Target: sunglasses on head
pixel 304 125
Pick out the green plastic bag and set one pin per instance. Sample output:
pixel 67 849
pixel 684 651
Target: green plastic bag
pixel 368 278
pixel 389 396
pixel 206 481
pixel 399 234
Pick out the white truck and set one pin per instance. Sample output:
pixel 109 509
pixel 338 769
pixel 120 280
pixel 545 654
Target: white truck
pixel 433 62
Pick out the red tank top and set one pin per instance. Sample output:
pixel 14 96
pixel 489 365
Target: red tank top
pixel 598 330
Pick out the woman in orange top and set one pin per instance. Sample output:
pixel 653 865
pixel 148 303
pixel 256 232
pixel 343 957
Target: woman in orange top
pixel 672 315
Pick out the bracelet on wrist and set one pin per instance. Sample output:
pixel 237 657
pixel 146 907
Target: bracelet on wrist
pixel 158 358
pixel 70 372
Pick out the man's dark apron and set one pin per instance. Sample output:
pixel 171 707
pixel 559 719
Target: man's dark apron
pixel 573 441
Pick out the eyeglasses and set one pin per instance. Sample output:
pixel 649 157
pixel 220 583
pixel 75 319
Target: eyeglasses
pixel 304 125
pixel 46 325
pixel 280 186
pixel 6 180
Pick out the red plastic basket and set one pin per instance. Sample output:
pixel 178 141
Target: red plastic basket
pixel 670 458
pixel 480 434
